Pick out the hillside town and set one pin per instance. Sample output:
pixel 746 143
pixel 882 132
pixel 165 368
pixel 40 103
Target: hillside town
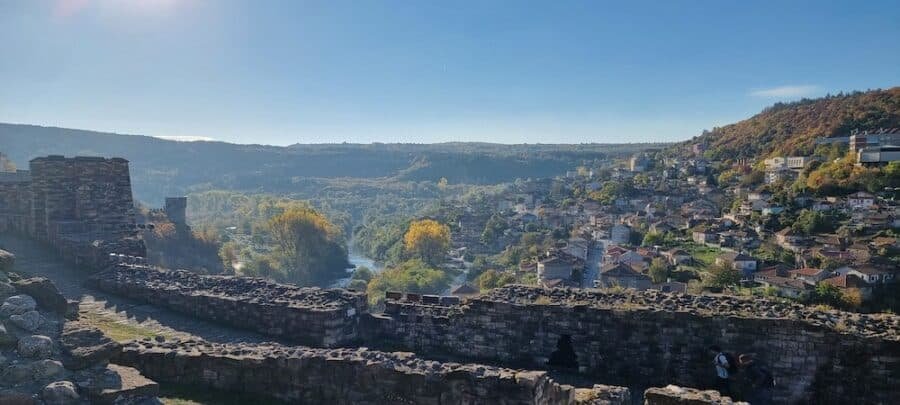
pixel 682 222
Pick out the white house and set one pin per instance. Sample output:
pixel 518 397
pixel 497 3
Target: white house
pixel 776 163
pixel 773 209
pixel 860 200
pixel 738 261
pixel 620 234
pixel 868 274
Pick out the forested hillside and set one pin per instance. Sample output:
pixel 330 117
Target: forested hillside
pixel 791 128
pixel 161 167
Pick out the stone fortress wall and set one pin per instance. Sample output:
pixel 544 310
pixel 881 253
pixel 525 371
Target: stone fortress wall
pixel 81 195
pixel 82 207
pixel 658 338
pixel 648 337
pixel 344 376
pixel 310 316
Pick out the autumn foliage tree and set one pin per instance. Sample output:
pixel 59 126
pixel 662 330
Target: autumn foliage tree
pixel 308 245
pixel 427 240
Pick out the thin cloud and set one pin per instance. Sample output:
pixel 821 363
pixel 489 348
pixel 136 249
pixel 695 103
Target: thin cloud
pixel 186 138
pixel 785 91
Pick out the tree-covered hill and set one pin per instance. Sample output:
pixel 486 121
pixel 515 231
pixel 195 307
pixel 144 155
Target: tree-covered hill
pixel 163 167
pixel 791 128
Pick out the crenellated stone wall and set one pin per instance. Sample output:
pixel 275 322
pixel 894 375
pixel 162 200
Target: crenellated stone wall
pixel 311 316
pixel 658 339
pixel 347 376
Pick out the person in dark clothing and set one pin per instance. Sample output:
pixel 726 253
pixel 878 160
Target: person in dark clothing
pixel 760 379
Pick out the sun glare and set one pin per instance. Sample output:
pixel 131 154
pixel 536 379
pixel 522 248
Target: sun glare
pixel 68 8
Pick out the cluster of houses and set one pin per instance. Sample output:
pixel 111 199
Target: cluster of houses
pixel 673 197
pixel 627 268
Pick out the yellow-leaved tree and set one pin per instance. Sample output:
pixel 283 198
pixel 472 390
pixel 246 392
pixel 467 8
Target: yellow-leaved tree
pixel 427 240
pixel 308 244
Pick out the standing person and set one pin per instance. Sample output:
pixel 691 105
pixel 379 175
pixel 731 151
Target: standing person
pixel 762 384
pixel 723 366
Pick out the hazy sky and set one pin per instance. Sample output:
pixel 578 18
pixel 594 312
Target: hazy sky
pixel 281 72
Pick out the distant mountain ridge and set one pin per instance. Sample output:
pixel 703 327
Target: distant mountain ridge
pixel 165 167
pixel 791 128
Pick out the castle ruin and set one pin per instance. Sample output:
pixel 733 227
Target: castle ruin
pixel 83 208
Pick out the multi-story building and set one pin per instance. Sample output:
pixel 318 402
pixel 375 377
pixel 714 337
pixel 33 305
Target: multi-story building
pixel 882 137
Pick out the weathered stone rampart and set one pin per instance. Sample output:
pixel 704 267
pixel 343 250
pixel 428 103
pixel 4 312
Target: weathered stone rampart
pixel 311 316
pixel 90 193
pixel 82 207
pixel 674 395
pixel 658 339
pixel 648 337
pixel 341 376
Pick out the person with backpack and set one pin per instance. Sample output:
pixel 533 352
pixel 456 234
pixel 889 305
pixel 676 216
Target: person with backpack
pixel 761 381
pixel 725 365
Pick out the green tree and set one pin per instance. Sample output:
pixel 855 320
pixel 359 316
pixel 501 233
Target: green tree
pixel 493 279
pixel 722 276
pixel 659 270
pixel 653 239
pixel 261 266
pixel 828 294
pixel 362 273
pixel 358 285
pixel 493 229
pixel 228 253
pixel 413 276
pixel 610 192
pixel 811 222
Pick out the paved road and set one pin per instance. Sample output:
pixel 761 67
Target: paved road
pixel 35 259
pixel 592 265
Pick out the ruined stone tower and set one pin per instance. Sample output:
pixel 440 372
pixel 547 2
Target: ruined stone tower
pixel 176 209
pixel 80 195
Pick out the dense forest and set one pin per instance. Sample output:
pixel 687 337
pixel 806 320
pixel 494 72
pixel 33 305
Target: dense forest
pixel 791 128
pixel 161 168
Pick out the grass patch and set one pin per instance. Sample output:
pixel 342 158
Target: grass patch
pixel 175 394
pixel 704 255
pixel 117 329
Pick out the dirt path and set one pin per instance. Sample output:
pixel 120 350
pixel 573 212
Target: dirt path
pixel 121 318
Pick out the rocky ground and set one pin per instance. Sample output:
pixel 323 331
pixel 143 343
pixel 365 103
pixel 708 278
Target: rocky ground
pixel 48 357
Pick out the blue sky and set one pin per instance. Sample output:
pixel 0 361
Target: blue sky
pixel 283 72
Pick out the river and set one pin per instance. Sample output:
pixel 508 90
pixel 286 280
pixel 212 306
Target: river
pixel 358 259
